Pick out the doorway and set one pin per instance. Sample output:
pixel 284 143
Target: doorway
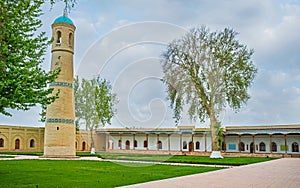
pixel 252 147
pixel 17 144
pixel 127 143
pixel 191 146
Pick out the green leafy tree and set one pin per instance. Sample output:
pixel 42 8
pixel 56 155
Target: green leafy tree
pixel 23 83
pixel 94 103
pixel 205 72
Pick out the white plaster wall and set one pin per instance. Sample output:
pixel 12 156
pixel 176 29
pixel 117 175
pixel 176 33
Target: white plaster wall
pixel 279 140
pixel 187 138
pixel 124 139
pixel 247 139
pixel 175 142
pixel 198 138
pixel 140 138
pixel 152 142
pixel 262 138
pixel 232 140
pixel 290 139
pixel 208 143
pixel 113 139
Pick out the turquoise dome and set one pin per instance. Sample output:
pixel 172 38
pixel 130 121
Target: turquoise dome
pixel 63 19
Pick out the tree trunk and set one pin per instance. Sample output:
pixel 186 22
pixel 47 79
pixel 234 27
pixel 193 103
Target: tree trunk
pixel 214 134
pixel 92 142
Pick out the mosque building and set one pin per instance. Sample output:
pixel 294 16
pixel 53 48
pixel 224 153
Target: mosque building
pixel 60 139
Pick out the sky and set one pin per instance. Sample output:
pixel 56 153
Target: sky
pixel 122 41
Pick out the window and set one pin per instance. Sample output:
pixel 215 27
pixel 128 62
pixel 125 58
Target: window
pixel 135 144
pixel 127 144
pixel 58 39
pixel 231 146
pixel 145 144
pixel 262 146
pixel 1 142
pixel 242 146
pixel 197 145
pixel 17 144
pixel 31 143
pixel 295 147
pixel 83 146
pixel 70 39
pixel 184 145
pixel 159 145
pixel 274 146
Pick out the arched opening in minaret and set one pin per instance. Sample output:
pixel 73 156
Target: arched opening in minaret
pixel 70 39
pixel 58 40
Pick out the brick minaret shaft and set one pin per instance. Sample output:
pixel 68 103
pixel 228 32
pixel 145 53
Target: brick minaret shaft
pixel 60 129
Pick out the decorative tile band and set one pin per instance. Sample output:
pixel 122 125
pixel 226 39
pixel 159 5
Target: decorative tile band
pixel 60 121
pixel 63 84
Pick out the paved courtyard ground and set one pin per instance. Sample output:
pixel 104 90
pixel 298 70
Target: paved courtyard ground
pixel 274 174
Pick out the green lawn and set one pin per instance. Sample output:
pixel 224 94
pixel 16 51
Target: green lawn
pixel 22 153
pixel 6 157
pixel 47 173
pixel 235 161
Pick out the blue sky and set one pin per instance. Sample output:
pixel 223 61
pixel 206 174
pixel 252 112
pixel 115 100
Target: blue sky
pixel 122 41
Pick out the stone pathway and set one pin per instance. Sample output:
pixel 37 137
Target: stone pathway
pixel 275 174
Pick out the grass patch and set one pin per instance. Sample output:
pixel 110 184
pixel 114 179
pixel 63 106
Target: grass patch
pixel 234 161
pixel 23 153
pixel 47 173
pixel 134 157
pixel 6 156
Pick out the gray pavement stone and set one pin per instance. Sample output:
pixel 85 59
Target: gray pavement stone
pixel 274 174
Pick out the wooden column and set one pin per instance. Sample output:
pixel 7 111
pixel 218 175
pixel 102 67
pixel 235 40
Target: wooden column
pixel 180 142
pixel 121 141
pixel 192 142
pixel 147 141
pixel 133 141
pixel 285 145
pixel 169 148
pixel 157 141
pixel 240 139
pixel 270 143
pixel 205 143
pixel 254 147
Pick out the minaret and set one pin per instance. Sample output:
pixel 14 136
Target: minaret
pixel 60 128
